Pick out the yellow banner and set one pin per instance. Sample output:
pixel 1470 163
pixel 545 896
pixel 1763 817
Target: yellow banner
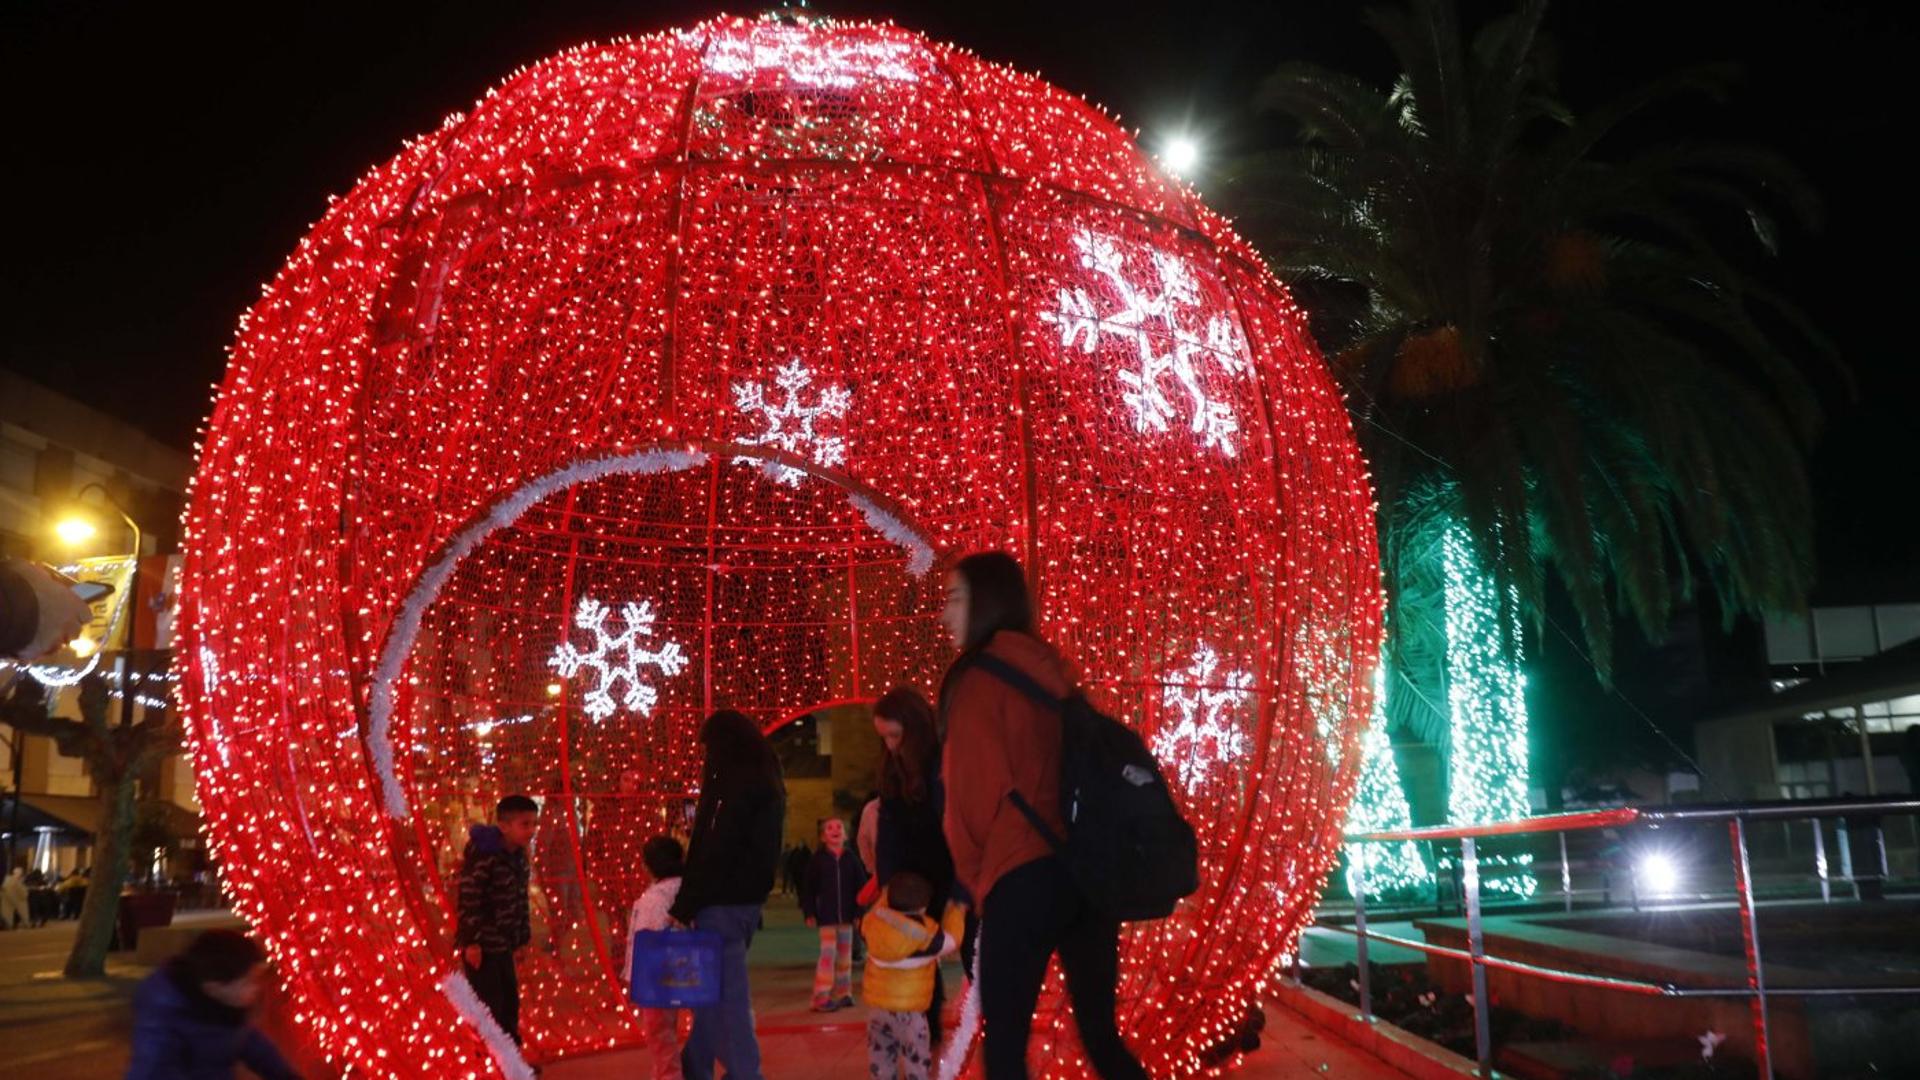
pixel 110 611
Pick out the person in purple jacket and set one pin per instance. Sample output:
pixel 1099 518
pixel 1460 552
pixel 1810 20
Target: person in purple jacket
pixel 191 1019
pixel 830 899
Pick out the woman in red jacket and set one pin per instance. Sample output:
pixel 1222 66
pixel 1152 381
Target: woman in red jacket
pixel 999 741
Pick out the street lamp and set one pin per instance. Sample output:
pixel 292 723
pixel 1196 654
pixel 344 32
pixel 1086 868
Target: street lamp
pixel 1181 153
pixel 77 528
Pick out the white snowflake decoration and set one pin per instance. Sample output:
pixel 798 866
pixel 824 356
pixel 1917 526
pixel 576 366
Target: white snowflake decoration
pixel 1208 732
pixel 792 426
pixel 1174 315
pixel 616 659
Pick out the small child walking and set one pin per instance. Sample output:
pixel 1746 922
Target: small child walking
pixel 494 924
pixel 904 947
pixel 830 901
pixel 665 861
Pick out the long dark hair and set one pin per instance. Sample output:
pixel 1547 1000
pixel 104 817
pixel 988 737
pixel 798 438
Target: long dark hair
pixel 737 752
pixel 904 771
pixel 997 597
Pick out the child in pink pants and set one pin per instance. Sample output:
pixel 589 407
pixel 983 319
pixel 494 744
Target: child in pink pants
pixel 831 902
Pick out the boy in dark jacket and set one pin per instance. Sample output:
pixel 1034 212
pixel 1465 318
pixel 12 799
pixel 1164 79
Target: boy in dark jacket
pixel 191 1018
pixel 493 907
pixel 830 899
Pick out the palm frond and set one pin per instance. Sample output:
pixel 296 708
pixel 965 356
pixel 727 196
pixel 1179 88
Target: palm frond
pixel 1626 402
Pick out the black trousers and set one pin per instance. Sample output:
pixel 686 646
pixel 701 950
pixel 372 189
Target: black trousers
pixel 1034 912
pixel 497 986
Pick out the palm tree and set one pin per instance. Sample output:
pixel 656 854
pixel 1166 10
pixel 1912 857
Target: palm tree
pixel 1549 348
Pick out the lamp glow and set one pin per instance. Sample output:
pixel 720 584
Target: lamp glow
pixel 83 647
pixel 1659 874
pixel 75 530
pixel 1181 155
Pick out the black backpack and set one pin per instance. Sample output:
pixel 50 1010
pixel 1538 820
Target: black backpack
pixel 1127 846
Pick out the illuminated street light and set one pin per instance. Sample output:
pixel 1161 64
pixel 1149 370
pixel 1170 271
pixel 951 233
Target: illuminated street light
pixel 75 531
pixel 1181 154
pixel 1659 874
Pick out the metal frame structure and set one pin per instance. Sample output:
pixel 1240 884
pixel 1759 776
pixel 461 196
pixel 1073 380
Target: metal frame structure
pixel 1736 818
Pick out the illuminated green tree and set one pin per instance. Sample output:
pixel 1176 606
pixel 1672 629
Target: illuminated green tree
pixel 1380 805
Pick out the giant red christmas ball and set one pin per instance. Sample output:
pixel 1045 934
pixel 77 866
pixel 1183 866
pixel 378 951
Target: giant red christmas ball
pixel 666 379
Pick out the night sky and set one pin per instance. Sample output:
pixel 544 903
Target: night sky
pixel 164 159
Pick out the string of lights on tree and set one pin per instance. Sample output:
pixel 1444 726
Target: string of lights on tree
pixel 1486 694
pixel 1380 805
pixel 726 332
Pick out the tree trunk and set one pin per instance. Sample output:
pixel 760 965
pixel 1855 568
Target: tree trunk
pixel 111 855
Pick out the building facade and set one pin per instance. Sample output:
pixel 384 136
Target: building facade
pixel 1845 698
pixel 59 456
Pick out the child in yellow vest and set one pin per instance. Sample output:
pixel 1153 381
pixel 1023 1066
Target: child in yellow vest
pixel 904 947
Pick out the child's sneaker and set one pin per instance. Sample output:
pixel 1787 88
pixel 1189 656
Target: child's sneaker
pixel 844 1003
pixel 826 1006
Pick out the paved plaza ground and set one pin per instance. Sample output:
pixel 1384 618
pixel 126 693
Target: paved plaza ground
pixel 55 1029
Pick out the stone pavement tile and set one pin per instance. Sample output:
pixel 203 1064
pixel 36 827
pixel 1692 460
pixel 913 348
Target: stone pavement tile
pixel 59 1030
pixel 1291 1049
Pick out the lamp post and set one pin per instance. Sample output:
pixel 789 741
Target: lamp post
pixel 77 530
pixel 17 747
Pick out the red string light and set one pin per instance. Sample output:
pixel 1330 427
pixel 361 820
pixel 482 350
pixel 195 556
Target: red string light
pixel 738 325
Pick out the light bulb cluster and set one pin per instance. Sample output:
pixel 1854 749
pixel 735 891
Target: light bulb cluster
pixel 644 245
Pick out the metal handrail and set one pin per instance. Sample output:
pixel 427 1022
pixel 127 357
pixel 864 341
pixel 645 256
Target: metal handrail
pixel 1812 808
pixel 1736 816
pixel 1631 815
pixel 1581 819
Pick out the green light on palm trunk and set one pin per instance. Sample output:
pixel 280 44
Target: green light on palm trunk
pixel 1486 694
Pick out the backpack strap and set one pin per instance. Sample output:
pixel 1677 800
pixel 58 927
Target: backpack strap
pixel 1019 680
pixel 1031 687
pixel 1034 819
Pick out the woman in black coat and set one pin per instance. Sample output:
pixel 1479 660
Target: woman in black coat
pixel 911 804
pixel 731 860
